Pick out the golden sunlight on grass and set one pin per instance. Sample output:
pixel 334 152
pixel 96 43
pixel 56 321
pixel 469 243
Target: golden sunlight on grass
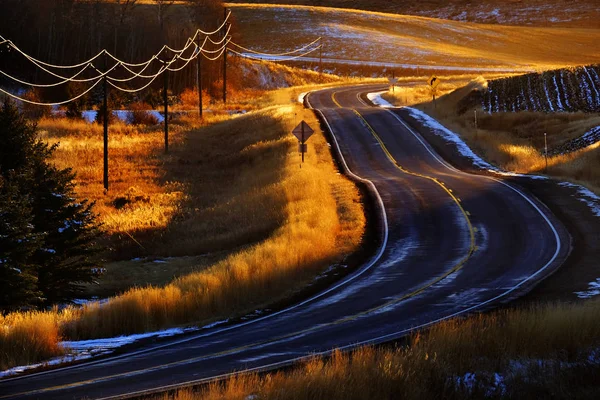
pixel 302 212
pixel 137 200
pixel 512 343
pixel 242 191
pixel 28 337
pixel 392 38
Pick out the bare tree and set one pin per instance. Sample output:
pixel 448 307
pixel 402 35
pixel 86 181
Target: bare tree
pixel 124 8
pixel 163 6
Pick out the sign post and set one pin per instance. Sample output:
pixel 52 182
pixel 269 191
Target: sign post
pixel 433 82
pixel 303 131
pixel 393 82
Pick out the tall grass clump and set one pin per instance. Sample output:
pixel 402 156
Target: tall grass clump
pixel 28 337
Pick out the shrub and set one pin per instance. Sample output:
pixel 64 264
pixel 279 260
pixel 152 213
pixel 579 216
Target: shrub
pixel 140 116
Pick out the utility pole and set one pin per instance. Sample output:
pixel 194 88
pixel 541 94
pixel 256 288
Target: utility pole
pixel 225 58
pixel 166 104
pixel 546 151
pixel 105 104
pixel 199 77
pixel 321 59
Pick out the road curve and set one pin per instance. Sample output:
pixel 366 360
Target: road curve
pixel 452 243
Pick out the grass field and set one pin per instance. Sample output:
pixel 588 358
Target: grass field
pixel 543 352
pixel 514 141
pixel 574 13
pixel 371 36
pixel 228 183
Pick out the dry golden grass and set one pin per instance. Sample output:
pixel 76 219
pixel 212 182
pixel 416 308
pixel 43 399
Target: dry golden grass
pixel 372 36
pixel 294 211
pixel 512 343
pixel 27 338
pixel 135 161
pixel 575 13
pixel 242 191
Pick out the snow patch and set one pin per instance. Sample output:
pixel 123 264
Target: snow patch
pixel 301 97
pixel 84 349
pixel 587 196
pixel 461 146
pixel 376 99
pixel 593 290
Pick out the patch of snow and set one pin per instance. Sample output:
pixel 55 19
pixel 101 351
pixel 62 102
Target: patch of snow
pixel 301 97
pixel 550 105
pixel 84 349
pixel 54 361
pixel 376 99
pixel 216 323
pixel 461 146
pixel 593 290
pixel 586 196
pixel 560 105
pixel 82 302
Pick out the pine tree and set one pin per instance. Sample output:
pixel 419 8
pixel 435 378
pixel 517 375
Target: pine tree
pixel 65 230
pixel 18 283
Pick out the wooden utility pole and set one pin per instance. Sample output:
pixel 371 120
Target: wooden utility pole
pixel 321 59
pixel 105 104
pixel 166 104
pixel 225 58
pixel 199 77
pixel 546 151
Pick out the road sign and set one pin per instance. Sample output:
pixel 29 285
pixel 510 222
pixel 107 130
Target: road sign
pixel 302 148
pixel 393 81
pixel 433 82
pixel 303 132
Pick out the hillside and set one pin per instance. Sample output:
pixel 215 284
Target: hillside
pixel 413 43
pixel 574 13
pixel 572 89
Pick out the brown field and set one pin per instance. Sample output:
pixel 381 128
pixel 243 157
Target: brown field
pixel 377 37
pixel 574 13
pixel 541 352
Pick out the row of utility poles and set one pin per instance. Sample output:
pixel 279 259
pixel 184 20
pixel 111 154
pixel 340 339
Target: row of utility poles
pixel 166 97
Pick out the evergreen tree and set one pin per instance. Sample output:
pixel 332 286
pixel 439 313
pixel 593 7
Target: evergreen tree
pixel 18 283
pixel 65 230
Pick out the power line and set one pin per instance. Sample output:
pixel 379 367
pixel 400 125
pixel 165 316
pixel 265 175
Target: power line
pixel 274 58
pixel 51 104
pixel 278 54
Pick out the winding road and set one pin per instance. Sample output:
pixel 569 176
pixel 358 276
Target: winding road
pixel 451 243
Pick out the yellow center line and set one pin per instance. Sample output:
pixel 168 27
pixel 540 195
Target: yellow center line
pixel 335 101
pixel 466 215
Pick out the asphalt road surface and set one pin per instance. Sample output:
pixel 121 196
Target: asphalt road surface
pixel 452 243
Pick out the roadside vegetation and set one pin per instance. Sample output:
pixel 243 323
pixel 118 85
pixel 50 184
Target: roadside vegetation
pixel 549 351
pixel 233 221
pixel 514 141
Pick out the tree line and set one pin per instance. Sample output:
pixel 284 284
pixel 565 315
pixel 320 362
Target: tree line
pixel 67 32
